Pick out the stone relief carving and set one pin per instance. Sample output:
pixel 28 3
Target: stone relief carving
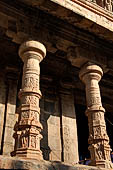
pixel 34 115
pixel 66 131
pixel 98 138
pixel 107 4
pixel 25 115
pixel 31 100
pixel 31 83
pixel 29 125
pixel 99 151
pixel 67 144
pixel 23 139
pixel 33 141
pixel 34 130
pixel 95 101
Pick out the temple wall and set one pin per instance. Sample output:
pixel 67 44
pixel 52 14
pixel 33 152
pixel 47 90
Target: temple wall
pixel 10 118
pixel 58 118
pixel 69 129
pixel 50 119
pixel 8 94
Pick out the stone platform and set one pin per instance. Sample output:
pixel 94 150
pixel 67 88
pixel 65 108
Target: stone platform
pixel 15 163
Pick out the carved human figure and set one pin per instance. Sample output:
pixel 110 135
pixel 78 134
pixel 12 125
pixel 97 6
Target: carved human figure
pixel 100 3
pixel 99 147
pixel 108 5
pixel 32 53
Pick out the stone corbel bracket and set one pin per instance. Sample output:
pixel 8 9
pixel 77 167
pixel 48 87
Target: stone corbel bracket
pixel 18 30
pixel 23 29
pixel 78 56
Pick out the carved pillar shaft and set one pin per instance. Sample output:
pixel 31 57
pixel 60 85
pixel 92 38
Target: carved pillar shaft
pixel 99 147
pixel 92 93
pixel 29 126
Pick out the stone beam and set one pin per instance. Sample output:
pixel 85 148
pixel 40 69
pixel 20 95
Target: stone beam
pixel 81 13
pixel 89 10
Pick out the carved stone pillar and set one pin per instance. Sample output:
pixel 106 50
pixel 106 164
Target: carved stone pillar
pixel 29 127
pixel 99 147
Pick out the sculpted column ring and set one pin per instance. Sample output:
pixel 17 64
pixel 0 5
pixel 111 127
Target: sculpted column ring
pixel 29 126
pixel 99 147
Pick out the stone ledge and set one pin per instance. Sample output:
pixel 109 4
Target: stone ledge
pixel 16 163
pixel 90 11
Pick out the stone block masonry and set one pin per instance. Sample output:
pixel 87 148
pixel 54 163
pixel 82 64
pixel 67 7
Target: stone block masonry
pixel 17 163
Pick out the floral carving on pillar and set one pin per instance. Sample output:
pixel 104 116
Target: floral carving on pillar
pixel 28 130
pixel 99 146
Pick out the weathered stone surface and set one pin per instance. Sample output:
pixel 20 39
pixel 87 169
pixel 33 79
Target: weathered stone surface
pixel 58 36
pixel 99 147
pixel 2 106
pixel 15 163
pixel 87 9
pixel 50 119
pixel 27 136
pixel 69 129
pixel 8 145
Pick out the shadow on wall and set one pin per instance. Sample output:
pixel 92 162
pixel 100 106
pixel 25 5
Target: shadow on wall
pixel 47 108
pixel 83 133
pixel 2 110
pixel 8 88
pixel 44 142
pixel 52 113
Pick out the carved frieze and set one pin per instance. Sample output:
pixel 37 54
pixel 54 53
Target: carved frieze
pixel 31 83
pixel 33 100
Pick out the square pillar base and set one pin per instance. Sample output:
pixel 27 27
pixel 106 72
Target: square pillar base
pixel 29 154
pixel 102 164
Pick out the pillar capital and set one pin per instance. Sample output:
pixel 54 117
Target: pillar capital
pixel 90 71
pixel 32 49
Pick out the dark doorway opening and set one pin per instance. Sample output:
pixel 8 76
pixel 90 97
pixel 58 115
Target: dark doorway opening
pixel 83 133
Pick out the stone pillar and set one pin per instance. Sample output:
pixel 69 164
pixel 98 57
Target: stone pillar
pixel 69 129
pixel 99 147
pixel 29 127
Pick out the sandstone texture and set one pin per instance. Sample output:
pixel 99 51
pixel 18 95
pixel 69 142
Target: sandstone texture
pixel 15 163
